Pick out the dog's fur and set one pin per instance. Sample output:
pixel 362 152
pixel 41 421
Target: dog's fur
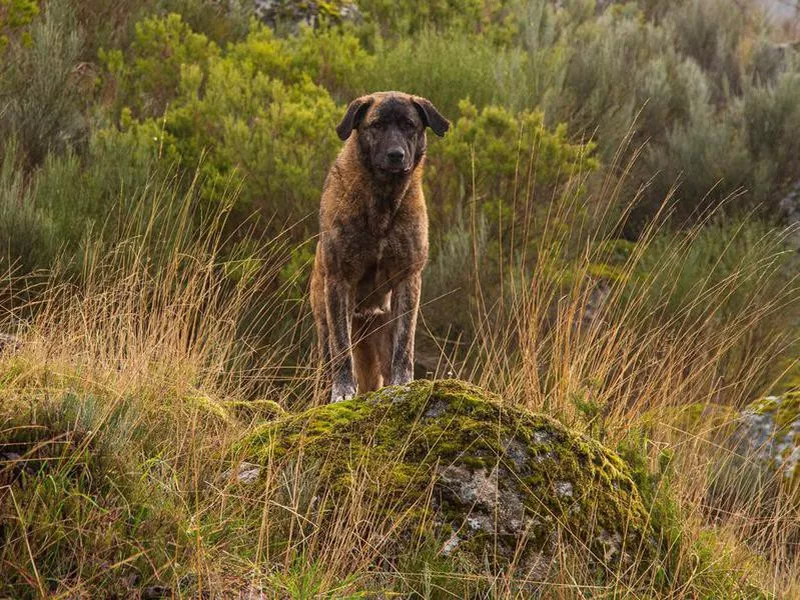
pixel 373 243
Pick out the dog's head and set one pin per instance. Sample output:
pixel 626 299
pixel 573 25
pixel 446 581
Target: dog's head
pixel 391 130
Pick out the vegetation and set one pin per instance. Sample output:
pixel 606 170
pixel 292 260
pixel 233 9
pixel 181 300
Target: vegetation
pixel 606 248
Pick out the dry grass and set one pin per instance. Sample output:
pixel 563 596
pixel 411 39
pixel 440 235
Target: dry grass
pixel 112 413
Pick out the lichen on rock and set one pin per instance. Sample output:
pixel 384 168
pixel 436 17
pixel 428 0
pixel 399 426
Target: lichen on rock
pixel 501 484
pixel 306 12
pixel 769 434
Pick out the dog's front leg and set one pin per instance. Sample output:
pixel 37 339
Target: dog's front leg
pixel 339 311
pixel 405 300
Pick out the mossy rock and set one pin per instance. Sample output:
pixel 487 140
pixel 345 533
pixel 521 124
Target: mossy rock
pixel 296 12
pixel 769 435
pixel 498 483
pixel 254 410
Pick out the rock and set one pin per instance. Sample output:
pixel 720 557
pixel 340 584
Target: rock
pixel 768 434
pixel 245 472
pixel 507 485
pixel 305 12
pixel 155 592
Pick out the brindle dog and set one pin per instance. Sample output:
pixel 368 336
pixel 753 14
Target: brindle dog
pixel 373 244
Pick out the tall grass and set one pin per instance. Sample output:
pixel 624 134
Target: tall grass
pixel 121 439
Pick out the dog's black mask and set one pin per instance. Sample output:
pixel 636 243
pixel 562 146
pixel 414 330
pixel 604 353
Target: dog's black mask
pixel 392 140
pixel 391 136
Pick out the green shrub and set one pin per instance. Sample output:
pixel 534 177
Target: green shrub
pixel 53 211
pixel 222 22
pixel 250 116
pixel 334 59
pixel 447 67
pixel 15 16
pixel 401 18
pixel 770 117
pixel 709 32
pixel 162 46
pixel 28 234
pixel 485 178
pixel 609 76
pixel 82 501
pixel 40 90
pixel 493 155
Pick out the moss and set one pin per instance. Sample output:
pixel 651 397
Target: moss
pixel 565 485
pixel 254 410
pixel 788 412
pixel 209 407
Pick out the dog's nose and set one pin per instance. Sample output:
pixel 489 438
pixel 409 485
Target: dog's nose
pixel 396 154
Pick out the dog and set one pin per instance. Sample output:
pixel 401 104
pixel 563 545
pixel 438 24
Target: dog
pixel 373 244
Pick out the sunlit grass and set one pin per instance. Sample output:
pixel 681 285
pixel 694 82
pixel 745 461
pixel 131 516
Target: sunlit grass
pixel 120 454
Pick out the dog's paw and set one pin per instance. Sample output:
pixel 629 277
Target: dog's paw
pixel 342 392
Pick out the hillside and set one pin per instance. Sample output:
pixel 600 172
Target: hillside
pixel 608 343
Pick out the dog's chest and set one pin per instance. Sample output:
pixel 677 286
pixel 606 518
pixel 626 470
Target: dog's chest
pixel 373 291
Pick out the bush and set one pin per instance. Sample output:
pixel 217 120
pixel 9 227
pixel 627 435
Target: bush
pixel 725 273
pixel 28 235
pixel 446 67
pixel 161 47
pixel 48 215
pixel 40 89
pixel 15 16
pixel 494 156
pixel 251 116
pixel 401 18
pixel 770 116
pixel 710 32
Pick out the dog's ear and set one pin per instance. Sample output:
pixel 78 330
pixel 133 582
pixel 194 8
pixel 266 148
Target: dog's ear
pixel 355 112
pixel 430 116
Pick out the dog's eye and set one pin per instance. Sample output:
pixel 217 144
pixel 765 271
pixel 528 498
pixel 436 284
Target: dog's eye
pixel 407 125
pixel 378 125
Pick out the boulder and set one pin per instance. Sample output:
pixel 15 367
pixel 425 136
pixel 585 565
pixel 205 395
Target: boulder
pixel 497 483
pixel 299 12
pixel 768 434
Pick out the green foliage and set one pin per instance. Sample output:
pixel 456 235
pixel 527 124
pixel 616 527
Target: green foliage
pixel 333 59
pixel 711 568
pixel 710 33
pixel 28 234
pixel 446 67
pixel 64 203
pixel 40 89
pixel 771 121
pixel 495 150
pixel 715 274
pixel 402 18
pixel 80 502
pixel 250 116
pixel 304 579
pixel 497 163
pixel 15 16
pixel 161 48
